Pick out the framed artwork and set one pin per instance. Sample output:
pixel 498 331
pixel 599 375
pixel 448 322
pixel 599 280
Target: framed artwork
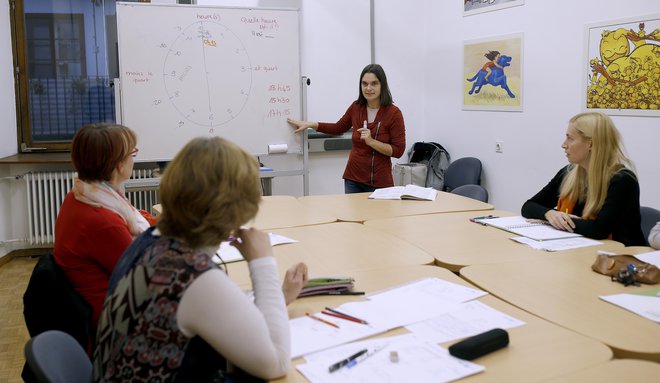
pixel 492 73
pixel 471 7
pixel 622 67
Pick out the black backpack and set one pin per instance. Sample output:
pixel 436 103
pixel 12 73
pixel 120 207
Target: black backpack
pixel 436 159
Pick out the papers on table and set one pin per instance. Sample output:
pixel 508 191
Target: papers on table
pixel 653 257
pixel 418 361
pixel 410 303
pixel 645 303
pixel 470 318
pixel 413 192
pixel 530 228
pixel 557 244
pixel 231 254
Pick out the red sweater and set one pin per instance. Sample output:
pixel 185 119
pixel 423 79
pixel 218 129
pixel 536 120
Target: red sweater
pixel 88 243
pixel 365 165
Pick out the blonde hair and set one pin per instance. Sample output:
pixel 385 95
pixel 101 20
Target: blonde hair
pixel 210 189
pixel 607 158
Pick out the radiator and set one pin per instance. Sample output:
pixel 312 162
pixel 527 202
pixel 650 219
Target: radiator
pixel 46 191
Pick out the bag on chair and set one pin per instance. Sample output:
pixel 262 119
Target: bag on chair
pixel 406 174
pixel 436 159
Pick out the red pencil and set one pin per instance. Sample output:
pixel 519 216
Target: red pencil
pixel 321 320
pixel 339 314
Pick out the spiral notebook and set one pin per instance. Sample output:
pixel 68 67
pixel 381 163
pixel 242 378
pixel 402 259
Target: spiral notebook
pixel 531 228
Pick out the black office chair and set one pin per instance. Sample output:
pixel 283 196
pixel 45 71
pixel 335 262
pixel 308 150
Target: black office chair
pixel 650 217
pixel 51 303
pixel 55 356
pixel 463 171
pixel 477 192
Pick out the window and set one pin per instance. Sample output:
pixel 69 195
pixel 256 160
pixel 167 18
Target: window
pixel 66 58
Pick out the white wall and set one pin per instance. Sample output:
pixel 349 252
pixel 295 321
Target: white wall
pixel 419 43
pixel 553 54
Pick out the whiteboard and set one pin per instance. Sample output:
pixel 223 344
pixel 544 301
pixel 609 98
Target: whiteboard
pixel 189 71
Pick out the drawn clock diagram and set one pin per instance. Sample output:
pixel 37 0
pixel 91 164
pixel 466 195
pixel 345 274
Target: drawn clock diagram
pixel 207 74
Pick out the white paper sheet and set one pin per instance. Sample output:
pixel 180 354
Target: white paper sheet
pixel 557 244
pixel 653 257
pixel 231 254
pixel 470 318
pixel 432 289
pixel 646 303
pixel 404 305
pixel 418 361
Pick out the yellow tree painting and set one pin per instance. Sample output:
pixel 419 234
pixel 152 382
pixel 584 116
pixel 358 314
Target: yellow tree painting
pixel 492 73
pixel 623 66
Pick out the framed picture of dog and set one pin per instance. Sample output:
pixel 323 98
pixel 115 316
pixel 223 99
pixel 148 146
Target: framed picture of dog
pixel 622 67
pixel 493 73
pixel 471 7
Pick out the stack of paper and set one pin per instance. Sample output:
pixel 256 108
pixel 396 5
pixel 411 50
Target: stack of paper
pixel 531 228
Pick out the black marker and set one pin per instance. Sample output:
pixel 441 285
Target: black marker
pixel 346 361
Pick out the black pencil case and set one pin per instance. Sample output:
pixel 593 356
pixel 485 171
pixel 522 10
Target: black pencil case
pixel 480 344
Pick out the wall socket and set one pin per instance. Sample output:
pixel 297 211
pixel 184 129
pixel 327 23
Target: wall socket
pixel 499 146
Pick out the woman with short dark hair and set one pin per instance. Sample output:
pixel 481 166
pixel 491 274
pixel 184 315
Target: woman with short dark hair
pixel 96 222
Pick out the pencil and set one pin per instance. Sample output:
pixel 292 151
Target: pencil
pixel 339 314
pixel 321 320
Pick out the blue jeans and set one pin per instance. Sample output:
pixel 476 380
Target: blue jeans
pixel 356 187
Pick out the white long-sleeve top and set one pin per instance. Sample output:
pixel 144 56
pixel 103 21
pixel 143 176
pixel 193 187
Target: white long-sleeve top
pixel 654 236
pixel 251 335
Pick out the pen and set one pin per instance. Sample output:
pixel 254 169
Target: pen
pixel 321 320
pixel 346 361
pixel 362 357
pixel 345 293
pixel 485 217
pixel 341 315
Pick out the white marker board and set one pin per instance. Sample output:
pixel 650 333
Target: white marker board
pixel 189 71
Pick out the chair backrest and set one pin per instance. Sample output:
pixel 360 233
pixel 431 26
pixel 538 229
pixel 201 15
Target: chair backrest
pixel 51 303
pixel 477 192
pixel 650 217
pixel 463 171
pixel 55 356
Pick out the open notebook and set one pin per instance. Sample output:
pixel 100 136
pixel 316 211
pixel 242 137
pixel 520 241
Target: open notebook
pixel 412 192
pixel 530 228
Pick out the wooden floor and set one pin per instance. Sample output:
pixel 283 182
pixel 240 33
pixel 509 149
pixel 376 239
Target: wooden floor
pixel 14 276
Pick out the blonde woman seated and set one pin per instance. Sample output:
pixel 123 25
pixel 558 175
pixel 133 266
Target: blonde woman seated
pixel 171 314
pixel 597 194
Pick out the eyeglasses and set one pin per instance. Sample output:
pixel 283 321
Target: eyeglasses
pixel 134 152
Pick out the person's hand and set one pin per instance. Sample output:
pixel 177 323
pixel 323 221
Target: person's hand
pixel 301 126
pixel 252 243
pixel 561 221
pixel 365 135
pixel 294 280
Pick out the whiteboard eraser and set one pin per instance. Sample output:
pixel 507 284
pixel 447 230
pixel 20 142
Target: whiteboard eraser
pixel 279 148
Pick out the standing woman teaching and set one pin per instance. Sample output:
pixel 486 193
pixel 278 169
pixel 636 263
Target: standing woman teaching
pixel 597 194
pixel 379 133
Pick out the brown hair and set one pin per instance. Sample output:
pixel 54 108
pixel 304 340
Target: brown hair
pixel 97 150
pixel 210 189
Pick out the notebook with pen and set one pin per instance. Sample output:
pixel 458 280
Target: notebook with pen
pixel 328 286
pixel 531 228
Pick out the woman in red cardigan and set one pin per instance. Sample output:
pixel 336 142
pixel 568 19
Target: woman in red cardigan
pixel 378 133
pixel 96 222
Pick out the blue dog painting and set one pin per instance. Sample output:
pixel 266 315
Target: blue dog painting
pixel 496 78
